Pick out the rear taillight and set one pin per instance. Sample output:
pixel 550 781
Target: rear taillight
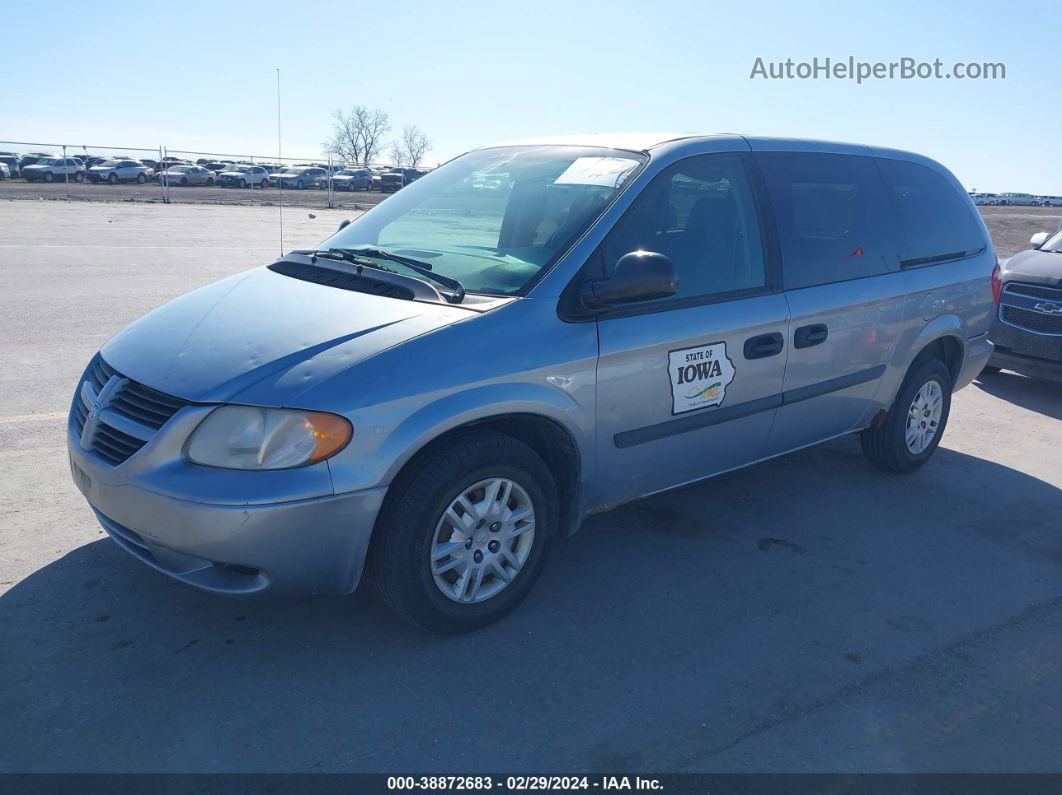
pixel 997 284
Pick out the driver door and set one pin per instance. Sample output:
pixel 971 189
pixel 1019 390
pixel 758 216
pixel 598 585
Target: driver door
pixel 688 386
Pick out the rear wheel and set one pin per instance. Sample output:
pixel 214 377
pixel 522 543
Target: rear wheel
pixel 466 534
pixel 299 185
pixel 49 176
pixel 210 182
pixel 184 182
pixel 243 183
pixel 913 427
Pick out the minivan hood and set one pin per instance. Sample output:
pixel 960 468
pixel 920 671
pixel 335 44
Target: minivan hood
pixel 1036 267
pixel 263 338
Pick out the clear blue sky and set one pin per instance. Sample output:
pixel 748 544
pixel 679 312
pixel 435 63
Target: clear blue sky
pixel 200 76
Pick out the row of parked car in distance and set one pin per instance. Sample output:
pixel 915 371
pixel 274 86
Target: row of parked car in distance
pixel 1016 199
pixel 38 166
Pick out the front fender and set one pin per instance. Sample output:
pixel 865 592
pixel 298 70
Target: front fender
pixel 380 464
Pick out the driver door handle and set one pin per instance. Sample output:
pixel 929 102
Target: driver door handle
pixel 764 345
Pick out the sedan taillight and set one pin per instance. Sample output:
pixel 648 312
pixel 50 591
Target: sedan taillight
pixel 997 284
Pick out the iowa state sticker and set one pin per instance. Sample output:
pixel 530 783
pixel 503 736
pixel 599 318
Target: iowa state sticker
pixel 699 376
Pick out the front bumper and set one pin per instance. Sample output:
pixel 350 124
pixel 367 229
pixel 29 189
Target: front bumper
pixel 1025 352
pixel 298 546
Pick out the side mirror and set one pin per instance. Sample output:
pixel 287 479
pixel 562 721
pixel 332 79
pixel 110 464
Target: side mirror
pixel 346 222
pixel 1038 239
pixel 639 276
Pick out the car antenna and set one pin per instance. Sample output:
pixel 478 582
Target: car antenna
pixel 280 159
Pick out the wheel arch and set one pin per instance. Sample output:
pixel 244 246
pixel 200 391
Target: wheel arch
pixel 943 338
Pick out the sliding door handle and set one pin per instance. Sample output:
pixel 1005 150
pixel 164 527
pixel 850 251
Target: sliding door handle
pixel 806 336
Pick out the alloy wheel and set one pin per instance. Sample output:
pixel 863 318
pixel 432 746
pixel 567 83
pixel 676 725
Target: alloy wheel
pixel 482 540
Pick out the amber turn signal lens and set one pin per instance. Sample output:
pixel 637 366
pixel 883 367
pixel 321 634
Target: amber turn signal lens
pixel 331 433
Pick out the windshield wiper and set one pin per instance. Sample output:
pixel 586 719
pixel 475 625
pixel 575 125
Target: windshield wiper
pixel 350 256
pixel 423 268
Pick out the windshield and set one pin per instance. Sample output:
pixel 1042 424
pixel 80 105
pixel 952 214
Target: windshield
pixel 48 161
pixel 1054 244
pixel 495 218
pixel 108 164
pixel 181 169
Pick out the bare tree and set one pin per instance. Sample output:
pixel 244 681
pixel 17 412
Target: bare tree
pixel 357 136
pixel 415 144
pixel 397 152
pixel 345 142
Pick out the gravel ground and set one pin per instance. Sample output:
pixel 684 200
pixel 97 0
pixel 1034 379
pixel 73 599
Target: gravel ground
pixel 151 193
pixel 807 614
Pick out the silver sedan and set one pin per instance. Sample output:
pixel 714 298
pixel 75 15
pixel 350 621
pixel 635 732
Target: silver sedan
pixel 187 175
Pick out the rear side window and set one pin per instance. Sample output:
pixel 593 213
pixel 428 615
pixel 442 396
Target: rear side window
pixel 936 223
pixel 833 215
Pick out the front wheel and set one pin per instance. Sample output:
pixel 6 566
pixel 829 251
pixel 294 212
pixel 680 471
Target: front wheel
pixel 298 185
pixel 466 534
pixel 243 183
pixel 113 179
pixel 141 179
pixel 913 427
pixel 264 183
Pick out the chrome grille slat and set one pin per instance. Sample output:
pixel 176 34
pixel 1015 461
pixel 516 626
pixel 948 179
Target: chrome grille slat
pixel 130 415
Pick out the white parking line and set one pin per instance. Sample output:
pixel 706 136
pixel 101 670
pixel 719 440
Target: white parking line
pixel 55 415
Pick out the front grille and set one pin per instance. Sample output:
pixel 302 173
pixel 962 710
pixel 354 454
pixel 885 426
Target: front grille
pixel 144 409
pixel 1032 320
pixel 1035 291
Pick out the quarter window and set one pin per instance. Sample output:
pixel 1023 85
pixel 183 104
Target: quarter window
pixel 833 215
pixel 699 212
pixel 936 221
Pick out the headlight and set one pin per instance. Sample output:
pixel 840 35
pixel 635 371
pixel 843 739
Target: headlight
pixel 246 437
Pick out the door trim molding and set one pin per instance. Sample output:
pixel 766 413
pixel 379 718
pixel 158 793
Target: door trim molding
pixel 661 430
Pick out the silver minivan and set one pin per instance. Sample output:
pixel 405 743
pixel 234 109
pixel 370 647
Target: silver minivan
pixel 458 377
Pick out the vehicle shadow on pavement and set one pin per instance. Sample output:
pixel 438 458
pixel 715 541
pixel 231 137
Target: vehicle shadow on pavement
pixel 1034 394
pixel 665 635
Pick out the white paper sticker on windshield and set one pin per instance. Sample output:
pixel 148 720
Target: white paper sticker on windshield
pixel 607 172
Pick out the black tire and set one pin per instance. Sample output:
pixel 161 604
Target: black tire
pixel 184 182
pixel 49 176
pixel 141 179
pixel 885 444
pixel 263 184
pixel 79 176
pixel 113 179
pixel 400 551
pixel 243 183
